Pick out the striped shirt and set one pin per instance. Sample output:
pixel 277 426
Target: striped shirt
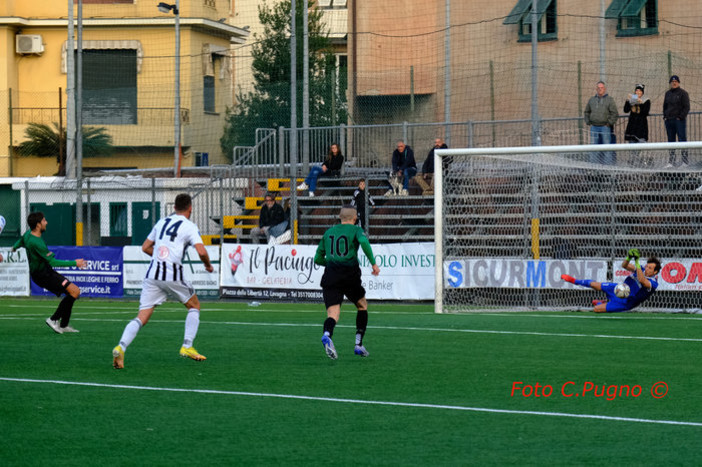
pixel 171 235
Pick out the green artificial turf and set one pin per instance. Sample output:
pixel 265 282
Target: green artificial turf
pixel 435 390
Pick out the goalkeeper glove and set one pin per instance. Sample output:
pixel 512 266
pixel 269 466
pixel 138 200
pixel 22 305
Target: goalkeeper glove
pixel 633 253
pixel 636 263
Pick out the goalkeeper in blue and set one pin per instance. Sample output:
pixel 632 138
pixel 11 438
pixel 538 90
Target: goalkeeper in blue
pixel 642 284
pixel 338 253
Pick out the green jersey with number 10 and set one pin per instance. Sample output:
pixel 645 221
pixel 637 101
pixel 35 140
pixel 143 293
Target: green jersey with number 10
pixel 339 246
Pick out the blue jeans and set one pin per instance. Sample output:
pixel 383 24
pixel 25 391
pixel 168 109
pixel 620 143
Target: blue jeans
pixel 408 173
pixel 278 229
pixel 311 179
pixel 675 127
pixel 602 135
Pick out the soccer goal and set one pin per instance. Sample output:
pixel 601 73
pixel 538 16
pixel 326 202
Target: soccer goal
pixel 510 221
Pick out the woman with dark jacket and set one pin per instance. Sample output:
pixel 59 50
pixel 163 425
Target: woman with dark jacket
pixel 637 106
pixel 330 167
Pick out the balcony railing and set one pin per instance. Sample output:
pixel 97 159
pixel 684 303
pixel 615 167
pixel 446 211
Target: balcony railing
pixel 145 116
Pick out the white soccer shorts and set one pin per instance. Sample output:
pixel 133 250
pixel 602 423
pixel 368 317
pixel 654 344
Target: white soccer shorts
pixel 154 293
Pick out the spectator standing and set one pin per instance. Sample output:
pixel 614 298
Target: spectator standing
pixel 331 167
pixel 638 107
pixel 601 114
pixel 359 202
pixel 271 215
pixel 403 164
pixel 676 106
pixel 426 178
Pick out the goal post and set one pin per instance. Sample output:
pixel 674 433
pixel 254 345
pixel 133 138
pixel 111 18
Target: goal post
pixel 510 221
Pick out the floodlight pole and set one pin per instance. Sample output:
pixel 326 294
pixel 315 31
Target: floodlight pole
pixel 164 8
pixel 176 160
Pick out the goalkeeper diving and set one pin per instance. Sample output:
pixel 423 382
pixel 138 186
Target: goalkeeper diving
pixel 643 283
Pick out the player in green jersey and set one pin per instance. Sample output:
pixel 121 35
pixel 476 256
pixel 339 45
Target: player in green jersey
pixel 41 264
pixel 338 252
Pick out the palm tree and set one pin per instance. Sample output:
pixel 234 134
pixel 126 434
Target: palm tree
pixel 44 141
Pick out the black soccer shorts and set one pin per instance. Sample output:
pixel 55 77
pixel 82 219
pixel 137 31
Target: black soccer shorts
pixel 51 281
pixel 338 282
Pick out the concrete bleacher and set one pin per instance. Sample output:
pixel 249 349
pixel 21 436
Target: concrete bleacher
pixel 393 219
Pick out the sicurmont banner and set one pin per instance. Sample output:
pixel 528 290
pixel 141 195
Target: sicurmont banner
pixel 676 274
pixel 520 273
pixel 289 272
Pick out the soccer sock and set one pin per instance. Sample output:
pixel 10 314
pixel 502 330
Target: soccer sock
pixel 63 311
pixel 583 282
pixel 329 324
pixel 361 324
pixel 130 332
pixel 192 322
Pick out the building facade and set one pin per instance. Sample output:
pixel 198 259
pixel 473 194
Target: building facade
pixel 128 79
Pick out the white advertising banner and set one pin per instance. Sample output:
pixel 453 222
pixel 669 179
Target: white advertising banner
pixel 289 272
pixel 206 284
pixel 520 273
pixel 677 274
pixel 14 273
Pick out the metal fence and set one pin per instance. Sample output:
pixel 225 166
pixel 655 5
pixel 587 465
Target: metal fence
pixel 121 210
pixel 371 146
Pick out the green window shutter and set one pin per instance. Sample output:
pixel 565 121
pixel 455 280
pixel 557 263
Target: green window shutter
pixel 615 9
pixel 633 8
pixel 522 7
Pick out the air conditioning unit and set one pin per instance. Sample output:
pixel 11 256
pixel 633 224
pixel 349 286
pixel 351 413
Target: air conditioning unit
pixel 29 44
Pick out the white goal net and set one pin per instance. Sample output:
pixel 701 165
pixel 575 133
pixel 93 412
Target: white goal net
pixel 510 221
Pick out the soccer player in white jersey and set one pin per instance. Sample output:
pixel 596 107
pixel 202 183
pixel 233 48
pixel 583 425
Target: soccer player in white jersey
pixel 166 244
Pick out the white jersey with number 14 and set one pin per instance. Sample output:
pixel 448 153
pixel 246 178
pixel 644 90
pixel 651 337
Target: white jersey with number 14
pixel 171 235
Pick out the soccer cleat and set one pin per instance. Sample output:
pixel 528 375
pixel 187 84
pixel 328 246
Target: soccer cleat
pixel 302 186
pixel 360 350
pixel 190 352
pixel 69 329
pixel 118 358
pixel 54 325
pixel 568 278
pixel 329 347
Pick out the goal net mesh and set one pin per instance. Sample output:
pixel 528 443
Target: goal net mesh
pixel 510 223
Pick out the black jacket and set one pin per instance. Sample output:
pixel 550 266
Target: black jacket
pixel 403 160
pixel 676 104
pixel 334 165
pixel 272 216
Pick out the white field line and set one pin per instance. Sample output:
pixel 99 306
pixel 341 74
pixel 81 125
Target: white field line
pixel 358 401
pixel 392 328
pixel 317 308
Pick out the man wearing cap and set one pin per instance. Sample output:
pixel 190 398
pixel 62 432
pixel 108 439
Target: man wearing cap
pixel 676 106
pixel 601 114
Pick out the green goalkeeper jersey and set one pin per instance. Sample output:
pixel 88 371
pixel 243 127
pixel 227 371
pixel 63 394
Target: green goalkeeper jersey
pixel 38 254
pixel 339 246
